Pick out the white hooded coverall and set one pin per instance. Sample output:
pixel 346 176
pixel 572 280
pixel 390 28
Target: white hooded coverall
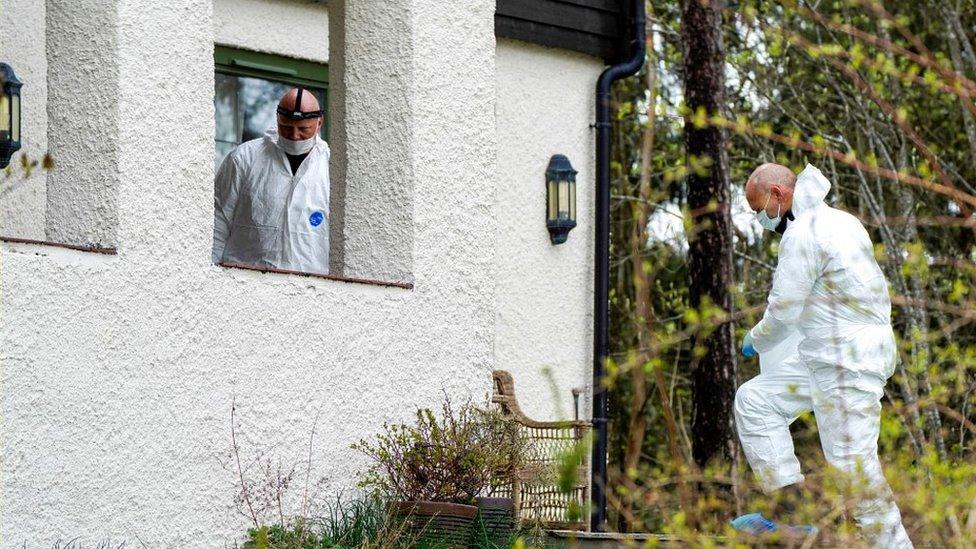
pixel 264 216
pixel 825 344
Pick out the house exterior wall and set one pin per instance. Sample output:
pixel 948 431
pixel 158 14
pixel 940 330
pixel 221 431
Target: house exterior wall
pixel 295 28
pixel 84 93
pixel 22 45
pixel 119 371
pixel 544 317
pixel 373 102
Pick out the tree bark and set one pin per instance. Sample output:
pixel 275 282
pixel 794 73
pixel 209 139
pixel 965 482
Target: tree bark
pixel 710 240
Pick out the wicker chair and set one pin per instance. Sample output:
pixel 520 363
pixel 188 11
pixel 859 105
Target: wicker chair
pixel 534 489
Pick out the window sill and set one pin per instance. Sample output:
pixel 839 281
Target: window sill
pixel 403 285
pixel 113 251
pixel 90 248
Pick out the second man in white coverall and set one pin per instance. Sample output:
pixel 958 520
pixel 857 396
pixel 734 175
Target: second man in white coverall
pixel 829 313
pixel 271 194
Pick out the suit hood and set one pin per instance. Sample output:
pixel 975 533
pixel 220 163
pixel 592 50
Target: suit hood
pixel 810 190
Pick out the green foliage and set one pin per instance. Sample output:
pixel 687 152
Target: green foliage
pixel 791 98
pixel 452 458
pixel 358 523
pixel 19 171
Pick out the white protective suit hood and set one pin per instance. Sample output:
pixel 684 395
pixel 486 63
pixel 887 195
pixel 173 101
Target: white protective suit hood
pixel 810 191
pixel 266 216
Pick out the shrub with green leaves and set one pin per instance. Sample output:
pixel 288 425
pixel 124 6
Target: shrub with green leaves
pixel 449 458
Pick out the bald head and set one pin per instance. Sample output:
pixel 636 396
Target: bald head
pixel 309 101
pixel 770 185
pixel 299 130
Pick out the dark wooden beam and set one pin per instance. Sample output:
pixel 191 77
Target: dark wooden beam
pixel 555 37
pixel 558 13
pixel 592 27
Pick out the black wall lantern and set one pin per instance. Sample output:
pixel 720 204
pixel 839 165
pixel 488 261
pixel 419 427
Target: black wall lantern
pixel 560 198
pixel 9 114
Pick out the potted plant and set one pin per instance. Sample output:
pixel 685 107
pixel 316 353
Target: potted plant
pixel 434 469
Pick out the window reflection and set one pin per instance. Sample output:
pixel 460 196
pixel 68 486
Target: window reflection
pixel 244 107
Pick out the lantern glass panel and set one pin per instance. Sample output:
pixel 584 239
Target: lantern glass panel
pixel 572 200
pixel 4 117
pixel 551 199
pixel 563 199
pixel 15 118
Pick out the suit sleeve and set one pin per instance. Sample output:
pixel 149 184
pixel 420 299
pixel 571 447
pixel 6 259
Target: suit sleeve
pixel 227 187
pixel 799 267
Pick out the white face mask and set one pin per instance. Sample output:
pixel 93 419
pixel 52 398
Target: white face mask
pixel 296 147
pixel 768 223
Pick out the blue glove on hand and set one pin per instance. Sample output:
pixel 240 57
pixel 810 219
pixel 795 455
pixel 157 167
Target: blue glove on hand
pixel 747 349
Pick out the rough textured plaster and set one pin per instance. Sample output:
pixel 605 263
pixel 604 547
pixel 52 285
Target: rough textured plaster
pixel 373 134
pixel 119 372
pixel 166 78
pixel 84 129
pixel 22 199
pixel 296 28
pixel 544 292
pixel 337 137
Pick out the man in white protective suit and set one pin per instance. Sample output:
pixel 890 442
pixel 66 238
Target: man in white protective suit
pixel 271 194
pixel 825 344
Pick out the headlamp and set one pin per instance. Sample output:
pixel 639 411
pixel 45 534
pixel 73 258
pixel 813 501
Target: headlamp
pixel 297 113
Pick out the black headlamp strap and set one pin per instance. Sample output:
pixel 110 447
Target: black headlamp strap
pixel 298 103
pixel 296 112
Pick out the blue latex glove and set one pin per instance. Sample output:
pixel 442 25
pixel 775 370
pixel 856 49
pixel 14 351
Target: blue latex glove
pixel 747 349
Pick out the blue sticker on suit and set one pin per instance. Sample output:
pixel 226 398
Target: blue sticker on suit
pixel 316 218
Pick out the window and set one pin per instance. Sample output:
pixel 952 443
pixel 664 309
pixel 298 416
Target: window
pixel 247 88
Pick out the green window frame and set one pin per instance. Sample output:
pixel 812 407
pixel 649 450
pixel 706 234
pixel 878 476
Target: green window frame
pixel 287 70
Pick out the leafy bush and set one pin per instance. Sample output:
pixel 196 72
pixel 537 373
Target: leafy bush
pixel 472 445
pixel 359 523
pixel 450 459
pixel 356 524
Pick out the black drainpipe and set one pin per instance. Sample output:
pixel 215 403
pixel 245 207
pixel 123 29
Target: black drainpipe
pixel 601 299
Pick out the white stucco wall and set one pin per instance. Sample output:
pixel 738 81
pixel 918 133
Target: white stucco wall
pixel 374 92
pixel 295 28
pixel 22 44
pixel 118 372
pixel 545 305
pixel 84 97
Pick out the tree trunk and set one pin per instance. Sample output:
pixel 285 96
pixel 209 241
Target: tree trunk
pixel 710 240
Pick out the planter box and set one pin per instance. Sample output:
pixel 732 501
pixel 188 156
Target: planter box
pixel 497 515
pixel 448 523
